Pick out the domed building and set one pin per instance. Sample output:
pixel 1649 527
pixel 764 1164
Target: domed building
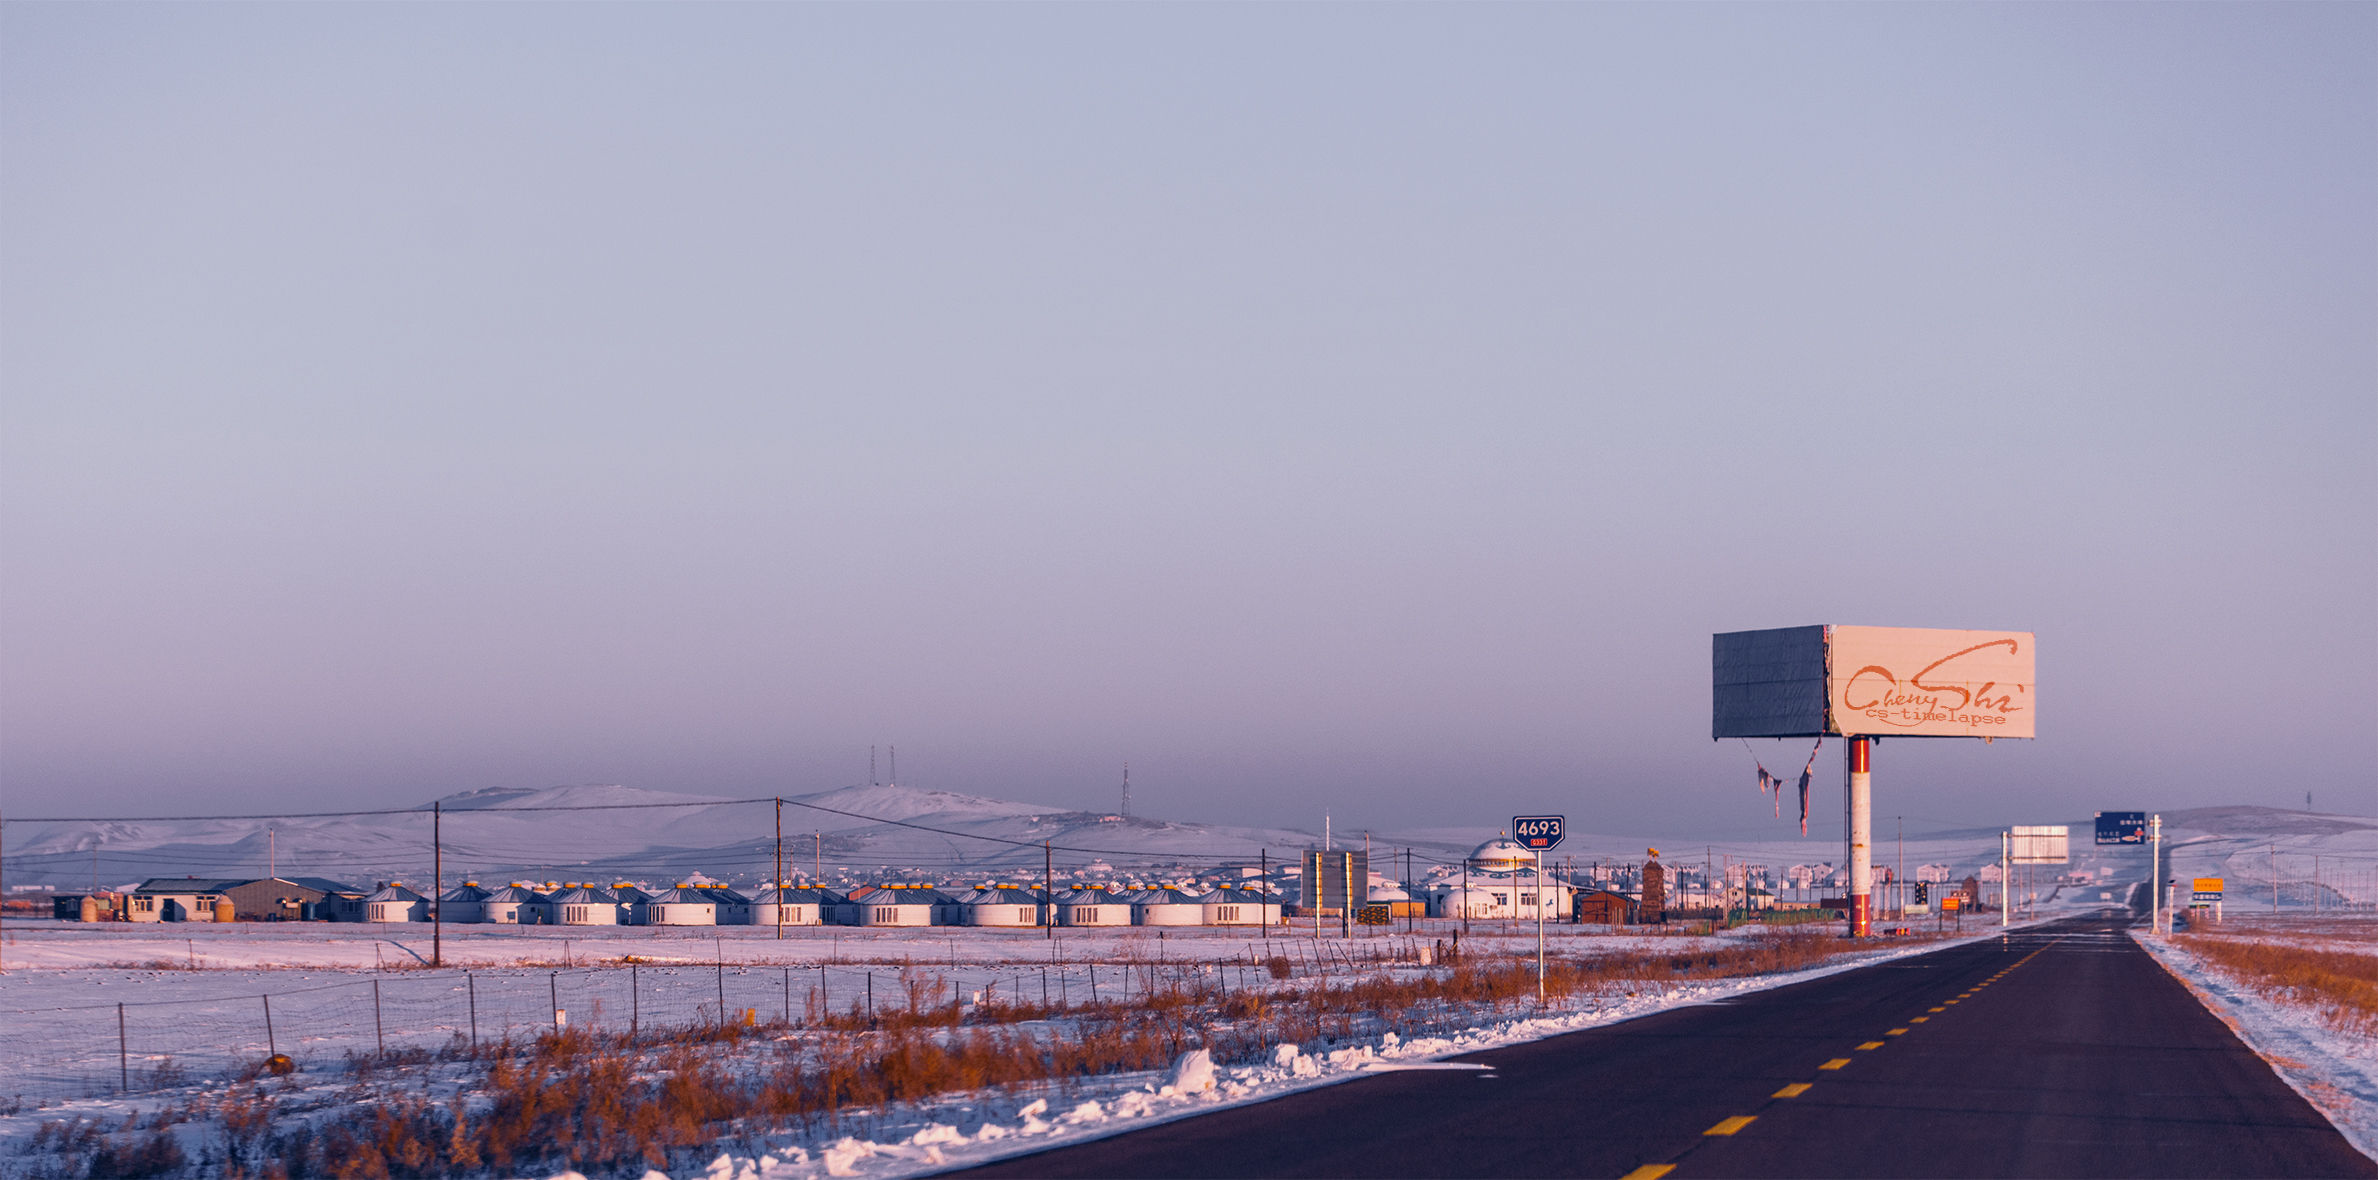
pixel 1499 882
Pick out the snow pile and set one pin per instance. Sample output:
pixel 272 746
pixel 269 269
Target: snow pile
pixel 2334 1071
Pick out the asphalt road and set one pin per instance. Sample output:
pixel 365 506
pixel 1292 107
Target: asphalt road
pixel 2062 1050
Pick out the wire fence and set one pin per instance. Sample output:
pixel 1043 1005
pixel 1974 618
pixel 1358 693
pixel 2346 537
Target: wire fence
pixel 101 1047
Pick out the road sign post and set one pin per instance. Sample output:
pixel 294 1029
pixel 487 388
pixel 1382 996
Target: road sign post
pixel 1540 833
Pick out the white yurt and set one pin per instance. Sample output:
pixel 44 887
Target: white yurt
pixel 1167 907
pixel 1093 907
pixel 513 905
pixel 1240 907
pixel 1501 855
pixel 1002 906
pixel 466 902
pixel 395 903
pixel 584 905
pixel 632 904
pixel 792 905
pixel 902 905
pixel 686 905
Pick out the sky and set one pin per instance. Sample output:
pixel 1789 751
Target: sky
pixel 1360 409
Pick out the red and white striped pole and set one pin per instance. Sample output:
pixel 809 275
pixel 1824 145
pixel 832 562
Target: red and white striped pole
pixel 1861 839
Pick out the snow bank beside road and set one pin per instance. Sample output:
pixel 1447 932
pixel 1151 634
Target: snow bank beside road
pixel 2335 1072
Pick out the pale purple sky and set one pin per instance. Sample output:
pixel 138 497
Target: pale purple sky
pixel 1364 408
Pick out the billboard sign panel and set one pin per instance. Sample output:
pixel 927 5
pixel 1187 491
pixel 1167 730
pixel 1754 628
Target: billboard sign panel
pixel 2039 844
pixel 2121 827
pixel 1871 681
pixel 2209 888
pixel 1910 680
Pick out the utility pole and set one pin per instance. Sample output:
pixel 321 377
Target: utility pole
pixel 1048 889
pixel 2006 880
pixel 1263 881
pixel 1899 875
pixel 437 884
pixel 2274 878
pixel 780 868
pixel 817 852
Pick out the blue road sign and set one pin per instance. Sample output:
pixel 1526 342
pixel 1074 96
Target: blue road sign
pixel 1540 832
pixel 2121 827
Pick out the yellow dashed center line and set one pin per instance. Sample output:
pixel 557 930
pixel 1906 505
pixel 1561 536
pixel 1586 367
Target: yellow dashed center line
pixel 1836 1063
pixel 1917 1019
pixel 1649 1172
pixel 1897 1032
pixel 1870 1045
pixel 1731 1125
pixel 1794 1090
pixel 1934 1010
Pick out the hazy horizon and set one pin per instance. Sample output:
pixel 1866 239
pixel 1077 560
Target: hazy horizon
pixel 1370 410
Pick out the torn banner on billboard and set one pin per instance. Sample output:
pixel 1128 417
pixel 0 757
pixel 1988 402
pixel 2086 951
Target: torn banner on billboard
pixel 1872 681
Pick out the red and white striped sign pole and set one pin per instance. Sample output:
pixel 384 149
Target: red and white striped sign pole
pixel 1861 839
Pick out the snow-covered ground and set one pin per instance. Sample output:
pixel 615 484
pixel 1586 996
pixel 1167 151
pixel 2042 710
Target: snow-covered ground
pixel 2334 1071
pixel 61 1024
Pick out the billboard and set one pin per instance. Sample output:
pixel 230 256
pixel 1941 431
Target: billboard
pixel 2121 827
pixel 1871 681
pixel 2039 844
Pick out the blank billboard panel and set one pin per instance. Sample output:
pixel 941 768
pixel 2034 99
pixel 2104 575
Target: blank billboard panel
pixel 1768 683
pixel 1871 681
pixel 2039 844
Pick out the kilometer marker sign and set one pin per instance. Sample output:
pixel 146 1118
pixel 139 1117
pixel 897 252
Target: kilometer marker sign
pixel 1540 832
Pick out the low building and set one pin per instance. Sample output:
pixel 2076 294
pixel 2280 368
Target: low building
pixel 1167 907
pixel 283 899
pixel 1603 907
pixel 795 905
pixel 466 902
pixel 179 899
pixel 393 902
pixel 686 905
pixel 635 905
pixel 1240 907
pixel 513 905
pixel 1004 906
pixel 1093 907
pixel 903 905
pixel 583 905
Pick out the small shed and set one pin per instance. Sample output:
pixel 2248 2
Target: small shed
pixel 393 902
pixel 1167 907
pixel 583 905
pixel 513 905
pixel 282 899
pixel 998 905
pixel 1240 907
pixel 1604 907
pixel 1093 907
pixel 466 902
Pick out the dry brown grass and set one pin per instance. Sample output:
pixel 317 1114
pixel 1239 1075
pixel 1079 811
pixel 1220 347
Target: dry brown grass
pixel 610 1104
pixel 2340 987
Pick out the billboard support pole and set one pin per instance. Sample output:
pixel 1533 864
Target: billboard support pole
pixel 2006 879
pixel 1861 838
pixel 2155 874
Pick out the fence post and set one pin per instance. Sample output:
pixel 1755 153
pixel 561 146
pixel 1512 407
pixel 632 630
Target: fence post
pixel 379 1027
pixel 788 996
pixel 553 992
pixel 871 995
pixel 123 1054
pixel 825 999
pixel 271 1047
pixel 468 981
pixel 635 1002
pixel 722 984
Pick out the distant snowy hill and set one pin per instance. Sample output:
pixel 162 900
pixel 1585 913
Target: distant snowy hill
pixel 604 833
